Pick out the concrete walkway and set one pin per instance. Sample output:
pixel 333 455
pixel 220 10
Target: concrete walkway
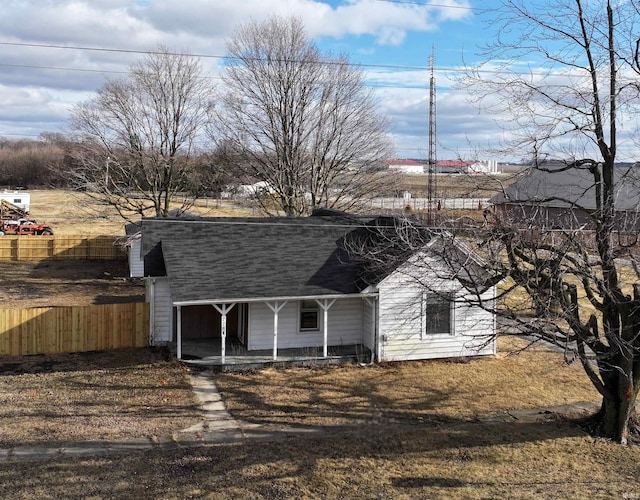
pixel 215 415
pixel 218 427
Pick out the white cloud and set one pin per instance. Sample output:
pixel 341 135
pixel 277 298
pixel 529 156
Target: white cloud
pixel 36 97
pixel 387 22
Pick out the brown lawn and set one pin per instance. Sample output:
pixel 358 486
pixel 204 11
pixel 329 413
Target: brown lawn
pixel 400 430
pixel 417 436
pixel 106 395
pixel 408 392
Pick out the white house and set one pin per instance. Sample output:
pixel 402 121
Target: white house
pixel 267 285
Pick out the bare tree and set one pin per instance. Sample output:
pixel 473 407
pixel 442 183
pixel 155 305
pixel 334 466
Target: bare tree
pixel 139 134
pixel 564 252
pixel 300 120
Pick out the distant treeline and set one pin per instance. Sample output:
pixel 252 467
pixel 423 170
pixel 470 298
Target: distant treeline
pixel 49 162
pixel 33 163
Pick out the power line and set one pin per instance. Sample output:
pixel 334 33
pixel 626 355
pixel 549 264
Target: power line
pixel 30 66
pixel 379 85
pixel 203 56
pixel 229 58
pixel 426 69
pixel 435 5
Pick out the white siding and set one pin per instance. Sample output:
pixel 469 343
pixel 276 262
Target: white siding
pixel 136 262
pixel 401 321
pixel 344 326
pixel 161 310
pixel 368 323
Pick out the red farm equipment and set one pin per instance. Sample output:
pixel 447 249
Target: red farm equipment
pixel 13 221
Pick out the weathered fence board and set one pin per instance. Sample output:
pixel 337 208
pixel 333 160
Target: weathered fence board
pixel 50 330
pixel 62 247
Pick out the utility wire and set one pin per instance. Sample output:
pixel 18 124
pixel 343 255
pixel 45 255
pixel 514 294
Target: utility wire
pixel 445 70
pixel 203 56
pixel 434 5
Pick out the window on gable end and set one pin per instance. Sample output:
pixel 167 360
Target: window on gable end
pixel 438 314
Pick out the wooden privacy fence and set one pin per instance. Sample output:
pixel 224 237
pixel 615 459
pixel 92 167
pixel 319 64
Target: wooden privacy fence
pixel 50 330
pixel 62 247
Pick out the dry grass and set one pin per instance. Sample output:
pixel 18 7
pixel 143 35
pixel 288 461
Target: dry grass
pixel 68 212
pixel 93 396
pixel 458 185
pixel 434 450
pixel 411 392
pixel 520 461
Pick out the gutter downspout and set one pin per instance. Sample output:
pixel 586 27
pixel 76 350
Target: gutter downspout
pixel 374 328
pixel 376 318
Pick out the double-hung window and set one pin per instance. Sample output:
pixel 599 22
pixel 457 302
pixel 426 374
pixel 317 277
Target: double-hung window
pixel 438 314
pixel 309 317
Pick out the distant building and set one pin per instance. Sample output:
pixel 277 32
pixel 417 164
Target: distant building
pixel 444 166
pixel 483 167
pixel 467 167
pixel 561 196
pixel 406 166
pixel 452 166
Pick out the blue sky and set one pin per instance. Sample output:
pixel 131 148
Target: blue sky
pixel 461 30
pixel 40 82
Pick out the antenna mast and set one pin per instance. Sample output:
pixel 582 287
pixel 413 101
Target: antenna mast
pixel 431 179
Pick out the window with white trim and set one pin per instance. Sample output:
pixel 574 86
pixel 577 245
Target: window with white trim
pixel 438 314
pixel 309 316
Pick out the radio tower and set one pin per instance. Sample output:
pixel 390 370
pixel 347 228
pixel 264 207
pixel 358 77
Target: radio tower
pixel 431 168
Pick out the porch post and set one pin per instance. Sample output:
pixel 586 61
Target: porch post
pixel 179 333
pixel 374 345
pixel 275 307
pixel 223 309
pixel 223 335
pixel 325 305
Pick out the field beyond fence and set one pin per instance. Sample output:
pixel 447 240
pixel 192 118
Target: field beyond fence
pixel 52 330
pixel 37 248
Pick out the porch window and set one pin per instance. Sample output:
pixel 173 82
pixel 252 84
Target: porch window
pixel 438 311
pixel 309 316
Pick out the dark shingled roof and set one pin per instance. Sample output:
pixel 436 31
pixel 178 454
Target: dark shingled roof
pixel 235 258
pixel 570 187
pixel 229 259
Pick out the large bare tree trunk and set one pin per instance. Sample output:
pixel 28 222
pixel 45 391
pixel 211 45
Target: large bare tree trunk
pixel 617 415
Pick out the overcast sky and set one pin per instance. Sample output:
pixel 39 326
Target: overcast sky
pixel 47 61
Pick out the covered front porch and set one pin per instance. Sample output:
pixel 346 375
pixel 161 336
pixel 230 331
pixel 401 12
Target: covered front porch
pixel 207 353
pixel 284 330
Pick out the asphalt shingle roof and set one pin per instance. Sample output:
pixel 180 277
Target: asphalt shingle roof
pixel 229 259
pixel 222 259
pixel 572 187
